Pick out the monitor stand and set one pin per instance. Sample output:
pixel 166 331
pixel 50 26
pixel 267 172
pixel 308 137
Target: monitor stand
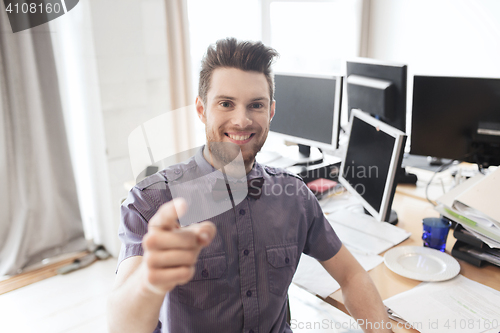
pixel 436 161
pixel 303 155
pixel 404 177
pixel 393 217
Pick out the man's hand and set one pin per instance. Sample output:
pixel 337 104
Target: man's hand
pixel 171 252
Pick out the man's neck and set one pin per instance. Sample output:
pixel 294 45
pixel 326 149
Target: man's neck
pixel 225 168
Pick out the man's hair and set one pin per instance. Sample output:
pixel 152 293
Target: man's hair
pixel 244 55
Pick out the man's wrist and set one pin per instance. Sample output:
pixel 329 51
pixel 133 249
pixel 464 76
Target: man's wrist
pixel 147 288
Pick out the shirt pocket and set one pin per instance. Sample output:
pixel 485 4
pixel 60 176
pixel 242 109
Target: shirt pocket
pixel 282 262
pixel 209 286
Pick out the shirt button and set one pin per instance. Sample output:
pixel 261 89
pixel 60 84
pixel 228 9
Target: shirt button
pixel 177 171
pixel 249 293
pixel 242 212
pixel 287 260
pixel 246 252
pixel 251 331
pixel 204 273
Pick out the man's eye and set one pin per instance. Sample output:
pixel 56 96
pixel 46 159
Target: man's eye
pixel 225 104
pixel 257 105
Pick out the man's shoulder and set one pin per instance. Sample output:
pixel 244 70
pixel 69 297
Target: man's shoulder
pixel 151 180
pixel 169 174
pixel 280 172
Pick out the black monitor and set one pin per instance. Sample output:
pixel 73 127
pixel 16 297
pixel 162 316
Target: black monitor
pixel 379 89
pixel 456 118
pixel 369 168
pixel 308 110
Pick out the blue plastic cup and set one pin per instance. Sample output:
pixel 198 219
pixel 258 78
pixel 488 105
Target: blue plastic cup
pixel 435 232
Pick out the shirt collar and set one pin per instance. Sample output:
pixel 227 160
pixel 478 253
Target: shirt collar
pixel 212 173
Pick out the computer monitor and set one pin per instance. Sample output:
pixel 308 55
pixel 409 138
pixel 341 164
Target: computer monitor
pixel 308 110
pixel 368 170
pixel 456 118
pixel 379 89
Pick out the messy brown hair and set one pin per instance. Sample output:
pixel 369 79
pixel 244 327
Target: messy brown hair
pixel 231 53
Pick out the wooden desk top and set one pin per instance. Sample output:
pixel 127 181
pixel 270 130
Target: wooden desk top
pixel 411 210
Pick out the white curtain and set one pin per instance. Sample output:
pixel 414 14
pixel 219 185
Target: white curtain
pixel 39 211
pixel 73 45
pixel 179 72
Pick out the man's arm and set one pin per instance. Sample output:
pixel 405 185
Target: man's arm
pixel 170 255
pixel 361 298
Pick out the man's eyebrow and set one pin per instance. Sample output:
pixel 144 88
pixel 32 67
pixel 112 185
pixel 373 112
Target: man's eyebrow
pixel 224 97
pixel 259 99
pixel 233 98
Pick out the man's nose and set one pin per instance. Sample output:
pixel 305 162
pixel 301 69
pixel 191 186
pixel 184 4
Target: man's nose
pixel 241 117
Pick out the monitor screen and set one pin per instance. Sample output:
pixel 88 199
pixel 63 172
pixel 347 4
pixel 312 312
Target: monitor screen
pixel 308 109
pixel 447 113
pixel 368 170
pixel 379 89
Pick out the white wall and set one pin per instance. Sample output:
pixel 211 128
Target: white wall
pixel 437 37
pixel 130 46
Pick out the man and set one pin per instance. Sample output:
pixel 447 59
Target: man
pixel 231 275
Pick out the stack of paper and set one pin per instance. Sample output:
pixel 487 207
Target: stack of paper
pixel 474 204
pixel 311 275
pixel 365 233
pixel 458 305
pixel 363 236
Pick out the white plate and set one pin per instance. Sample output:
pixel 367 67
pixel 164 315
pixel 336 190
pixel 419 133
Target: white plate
pixel 421 263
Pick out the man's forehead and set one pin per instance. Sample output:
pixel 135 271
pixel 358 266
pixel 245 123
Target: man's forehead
pixel 238 84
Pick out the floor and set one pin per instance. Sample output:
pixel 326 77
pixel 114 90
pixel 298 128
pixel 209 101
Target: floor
pixel 46 306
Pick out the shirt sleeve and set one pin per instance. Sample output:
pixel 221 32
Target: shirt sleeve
pixel 322 243
pixel 136 211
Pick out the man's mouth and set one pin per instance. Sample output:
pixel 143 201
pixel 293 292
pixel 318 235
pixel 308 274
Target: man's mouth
pixel 240 138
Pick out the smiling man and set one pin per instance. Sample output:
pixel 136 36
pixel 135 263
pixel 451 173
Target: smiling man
pixel 240 109
pixel 231 274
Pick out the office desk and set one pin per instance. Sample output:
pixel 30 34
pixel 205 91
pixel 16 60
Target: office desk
pixel 411 210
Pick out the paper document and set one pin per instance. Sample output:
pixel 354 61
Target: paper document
pixel 488 241
pixel 336 203
pixel 364 233
pixel 482 197
pixel 311 276
pixel 459 305
pixel 472 214
pixel 473 205
pixel 448 198
pixel 489 235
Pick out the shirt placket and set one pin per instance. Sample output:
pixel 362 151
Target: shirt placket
pixel 248 274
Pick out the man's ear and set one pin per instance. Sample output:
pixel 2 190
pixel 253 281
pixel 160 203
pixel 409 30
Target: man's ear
pixel 200 110
pixel 273 110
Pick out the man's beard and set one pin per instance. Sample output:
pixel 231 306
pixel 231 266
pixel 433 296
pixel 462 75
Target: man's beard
pixel 225 152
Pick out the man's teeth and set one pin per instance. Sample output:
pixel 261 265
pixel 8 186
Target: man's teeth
pixel 239 137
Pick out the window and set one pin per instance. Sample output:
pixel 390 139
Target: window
pixel 313 36
pixel 213 20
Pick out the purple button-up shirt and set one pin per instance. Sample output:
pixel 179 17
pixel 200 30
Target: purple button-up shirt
pixel 242 277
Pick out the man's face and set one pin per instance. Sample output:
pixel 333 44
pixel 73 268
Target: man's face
pixel 238 110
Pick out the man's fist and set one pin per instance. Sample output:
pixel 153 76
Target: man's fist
pixel 171 252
